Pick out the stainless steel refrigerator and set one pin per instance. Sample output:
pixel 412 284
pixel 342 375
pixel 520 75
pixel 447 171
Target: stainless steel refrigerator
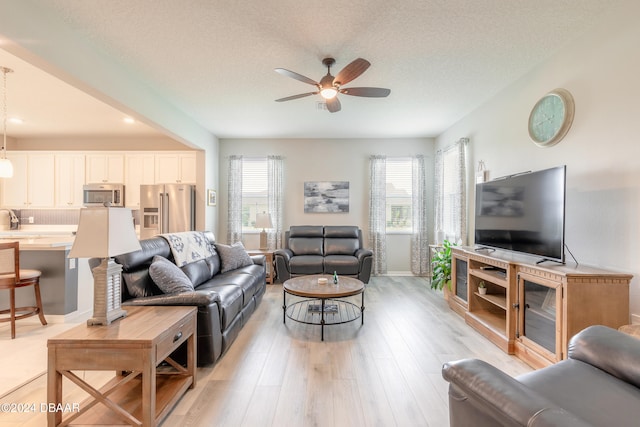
pixel 167 208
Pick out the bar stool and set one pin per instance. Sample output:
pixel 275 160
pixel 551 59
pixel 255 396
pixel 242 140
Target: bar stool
pixel 11 278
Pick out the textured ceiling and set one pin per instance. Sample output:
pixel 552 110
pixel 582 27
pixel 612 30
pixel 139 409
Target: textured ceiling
pixel 214 59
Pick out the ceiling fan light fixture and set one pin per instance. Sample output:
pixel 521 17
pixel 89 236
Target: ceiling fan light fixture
pixel 329 93
pixel 329 86
pixel 327 89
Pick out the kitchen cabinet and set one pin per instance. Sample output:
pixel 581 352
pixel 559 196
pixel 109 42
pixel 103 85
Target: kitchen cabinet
pixel 69 180
pixel 139 170
pixel 105 168
pixel 32 184
pixel 175 167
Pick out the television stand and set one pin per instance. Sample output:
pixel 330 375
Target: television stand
pixel 484 248
pixel 533 310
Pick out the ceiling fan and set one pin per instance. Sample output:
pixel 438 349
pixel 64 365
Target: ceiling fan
pixel 330 86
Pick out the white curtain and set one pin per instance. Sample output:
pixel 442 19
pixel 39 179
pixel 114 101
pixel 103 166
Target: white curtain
pixel 451 191
pixel 234 214
pixel 275 166
pixel 419 234
pixel 377 213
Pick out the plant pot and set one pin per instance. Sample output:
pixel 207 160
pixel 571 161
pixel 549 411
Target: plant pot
pixel 482 291
pixel 446 292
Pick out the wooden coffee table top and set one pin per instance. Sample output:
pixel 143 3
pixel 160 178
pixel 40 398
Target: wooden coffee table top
pixel 308 286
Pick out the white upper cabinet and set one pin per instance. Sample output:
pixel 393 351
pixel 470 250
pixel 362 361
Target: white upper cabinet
pixel 175 167
pixel 69 180
pixel 32 184
pixel 55 179
pixel 104 168
pixel 139 170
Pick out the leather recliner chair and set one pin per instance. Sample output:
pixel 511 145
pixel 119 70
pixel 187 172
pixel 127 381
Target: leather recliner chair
pixel 317 249
pixel 597 385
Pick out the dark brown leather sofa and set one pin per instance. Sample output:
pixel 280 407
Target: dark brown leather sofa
pixel 597 385
pixel 224 301
pixel 317 249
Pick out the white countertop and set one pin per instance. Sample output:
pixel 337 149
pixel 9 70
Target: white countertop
pixel 40 238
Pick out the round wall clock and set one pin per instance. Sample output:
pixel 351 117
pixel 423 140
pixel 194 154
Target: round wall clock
pixel 551 118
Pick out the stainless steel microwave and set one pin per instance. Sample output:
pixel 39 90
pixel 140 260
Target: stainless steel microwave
pixel 103 195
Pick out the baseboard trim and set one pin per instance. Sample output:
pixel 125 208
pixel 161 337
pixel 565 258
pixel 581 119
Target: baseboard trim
pixel 398 273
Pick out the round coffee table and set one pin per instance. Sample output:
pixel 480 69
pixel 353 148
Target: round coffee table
pixel 323 303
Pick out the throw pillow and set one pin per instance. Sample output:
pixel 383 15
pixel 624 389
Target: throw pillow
pixel 168 276
pixel 232 257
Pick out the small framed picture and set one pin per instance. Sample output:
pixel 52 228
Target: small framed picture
pixel 212 199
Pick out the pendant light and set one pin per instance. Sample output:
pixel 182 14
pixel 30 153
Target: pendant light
pixel 6 168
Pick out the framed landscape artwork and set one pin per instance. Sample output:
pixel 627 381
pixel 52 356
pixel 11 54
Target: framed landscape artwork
pixel 326 196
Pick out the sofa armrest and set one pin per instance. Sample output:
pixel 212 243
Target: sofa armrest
pixel 613 351
pixel 481 394
pixel 363 253
pixel 258 259
pixel 199 298
pixel 281 258
pixel 284 253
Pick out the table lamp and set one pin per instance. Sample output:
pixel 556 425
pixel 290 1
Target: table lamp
pixel 104 232
pixel 263 220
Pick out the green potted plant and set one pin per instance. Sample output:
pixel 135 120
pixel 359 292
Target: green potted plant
pixel 441 264
pixel 482 288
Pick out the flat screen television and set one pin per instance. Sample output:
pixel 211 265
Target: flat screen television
pixel 523 213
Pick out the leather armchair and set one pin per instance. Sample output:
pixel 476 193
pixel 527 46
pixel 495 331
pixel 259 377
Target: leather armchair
pixel 597 385
pixel 317 249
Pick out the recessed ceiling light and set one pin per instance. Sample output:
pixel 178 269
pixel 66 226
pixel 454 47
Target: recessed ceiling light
pixel 129 120
pixel 16 120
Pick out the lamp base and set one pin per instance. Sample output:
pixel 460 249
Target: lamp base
pixel 107 282
pixel 263 240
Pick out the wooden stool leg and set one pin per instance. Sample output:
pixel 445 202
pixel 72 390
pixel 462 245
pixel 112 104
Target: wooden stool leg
pixel 12 311
pixel 39 303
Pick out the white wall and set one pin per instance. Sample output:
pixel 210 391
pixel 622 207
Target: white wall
pixel 601 150
pixel 326 160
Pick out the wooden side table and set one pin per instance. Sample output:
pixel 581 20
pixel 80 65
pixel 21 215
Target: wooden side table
pixel 133 347
pixel 269 257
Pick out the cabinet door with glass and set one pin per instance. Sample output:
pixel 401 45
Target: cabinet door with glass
pixel 540 316
pixel 458 293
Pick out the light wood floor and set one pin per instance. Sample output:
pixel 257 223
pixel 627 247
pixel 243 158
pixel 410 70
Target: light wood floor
pixel 384 373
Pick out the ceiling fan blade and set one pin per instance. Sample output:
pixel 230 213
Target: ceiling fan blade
pixel 370 92
pixel 351 71
pixel 296 76
pixel 333 105
pixel 302 95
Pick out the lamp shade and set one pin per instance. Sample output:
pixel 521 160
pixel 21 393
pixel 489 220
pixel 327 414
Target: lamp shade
pixel 6 168
pixel 263 220
pixel 104 232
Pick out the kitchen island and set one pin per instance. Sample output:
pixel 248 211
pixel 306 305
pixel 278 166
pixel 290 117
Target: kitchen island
pixel 59 280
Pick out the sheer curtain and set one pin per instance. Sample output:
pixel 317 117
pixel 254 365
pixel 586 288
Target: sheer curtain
pixel 451 191
pixel 377 213
pixel 419 234
pixel 275 165
pixel 234 214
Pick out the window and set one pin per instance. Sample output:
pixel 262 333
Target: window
pixel 254 191
pixel 450 193
pixel 399 190
pixel 450 179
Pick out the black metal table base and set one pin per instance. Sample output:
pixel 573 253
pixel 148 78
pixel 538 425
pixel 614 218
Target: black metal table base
pixel 322 311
